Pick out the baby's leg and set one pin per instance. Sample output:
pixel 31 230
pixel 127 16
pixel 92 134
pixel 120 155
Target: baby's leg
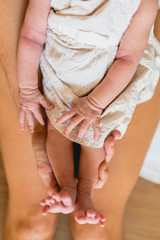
pixel 90 159
pixel 60 154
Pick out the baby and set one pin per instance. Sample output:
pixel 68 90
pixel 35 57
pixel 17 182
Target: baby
pixel 75 109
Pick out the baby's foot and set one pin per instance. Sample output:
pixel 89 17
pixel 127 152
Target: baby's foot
pixel 85 211
pixel 61 202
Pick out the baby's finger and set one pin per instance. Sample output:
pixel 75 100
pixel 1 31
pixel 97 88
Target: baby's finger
pixel 30 119
pixel 22 119
pixel 45 103
pixel 96 130
pixel 38 116
pixel 66 116
pixel 74 122
pixel 83 128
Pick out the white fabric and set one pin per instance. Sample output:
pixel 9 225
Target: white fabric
pixel 81 45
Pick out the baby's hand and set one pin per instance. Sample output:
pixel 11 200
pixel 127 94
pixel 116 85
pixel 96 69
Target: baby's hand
pixel 82 111
pixel 30 100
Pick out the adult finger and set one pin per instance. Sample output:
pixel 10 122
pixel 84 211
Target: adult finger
pixel 83 128
pixel 108 143
pixel 30 119
pixel 38 116
pixel 46 104
pixel 109 155
pixel 96 130
pixel 116 134
pixel 74 122
pixel 22 119
pixel 103 174
pixel 66 116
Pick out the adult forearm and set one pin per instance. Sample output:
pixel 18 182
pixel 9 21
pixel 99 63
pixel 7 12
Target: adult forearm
pixel 117 78
pixel 28 57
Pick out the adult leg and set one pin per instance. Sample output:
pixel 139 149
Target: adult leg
pixel 24 219
pixel 124 170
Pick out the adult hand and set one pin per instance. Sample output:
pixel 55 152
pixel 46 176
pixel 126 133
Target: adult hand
pixel 109 147
pixel 42 162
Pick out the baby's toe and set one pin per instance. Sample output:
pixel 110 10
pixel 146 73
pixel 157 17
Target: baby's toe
pixel 55 208
pixel 102 224
pixel 43 202
pixel 97 217
pixel 102 220
pixel 49 200
pixel 90 213
pixel 92 217
pixel 80 217
pixel 56 197
pixel 66 199
pixel 45 210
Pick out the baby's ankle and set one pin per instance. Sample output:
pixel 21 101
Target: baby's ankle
pixel 85 188
pixel 67 182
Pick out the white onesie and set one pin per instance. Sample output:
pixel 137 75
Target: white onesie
pixel 81 45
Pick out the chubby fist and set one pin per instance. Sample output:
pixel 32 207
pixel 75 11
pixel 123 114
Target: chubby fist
pixel 30 101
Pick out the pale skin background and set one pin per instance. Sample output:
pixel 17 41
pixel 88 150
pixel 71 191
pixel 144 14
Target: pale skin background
pixel 24 212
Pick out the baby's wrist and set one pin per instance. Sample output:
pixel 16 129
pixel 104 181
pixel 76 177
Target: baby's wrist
pixel 29 92
pixel 93 102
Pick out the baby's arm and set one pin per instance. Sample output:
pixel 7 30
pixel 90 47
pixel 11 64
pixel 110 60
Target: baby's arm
pixel 129 54
pixel 31 40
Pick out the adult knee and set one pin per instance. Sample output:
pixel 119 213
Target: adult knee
pixel 86 232
pixel 34 227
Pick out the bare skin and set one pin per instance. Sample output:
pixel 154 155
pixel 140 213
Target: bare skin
pixel 65 200
pixel 85 110
pixel 17 146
